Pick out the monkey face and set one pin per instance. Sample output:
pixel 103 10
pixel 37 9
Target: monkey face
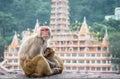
pixel 49 52
pixel 45 33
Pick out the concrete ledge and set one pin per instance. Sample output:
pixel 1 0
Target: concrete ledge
pixel 65 76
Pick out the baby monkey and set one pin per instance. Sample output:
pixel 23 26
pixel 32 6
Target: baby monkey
pixel 49 54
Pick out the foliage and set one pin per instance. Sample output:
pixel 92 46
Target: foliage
pixel 94 10
pixel 18 15
pixel 75 26
pixel 115 47
pixel 114 39
pixel 112 23
pixel 2 43
pixel 7 24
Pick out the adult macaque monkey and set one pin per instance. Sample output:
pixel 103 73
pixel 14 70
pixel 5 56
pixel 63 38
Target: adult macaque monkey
pixel 33 46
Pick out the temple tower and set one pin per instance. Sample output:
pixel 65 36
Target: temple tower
pixel 59 20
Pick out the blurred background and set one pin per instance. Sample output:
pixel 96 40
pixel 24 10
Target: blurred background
pixel 19 15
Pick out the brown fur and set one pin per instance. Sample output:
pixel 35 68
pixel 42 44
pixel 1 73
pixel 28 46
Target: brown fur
pixel 61 65
pixel 30 48
pixel 54 61
pixel 37 67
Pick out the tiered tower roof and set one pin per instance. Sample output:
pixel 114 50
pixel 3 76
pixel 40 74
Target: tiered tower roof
pixel 84 28
pixel 15 41
pixel 105 39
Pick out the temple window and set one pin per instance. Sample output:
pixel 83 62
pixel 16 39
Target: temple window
pixel 15 61
pixel 75 48
pixel 74 68
pixel 81 55
pixel 87 68
pixel 68 55
pixel 98 68
pixel 80 68
pixel 68 68
pixel 87 54
pixel 82 42
pixel 98 55
pixel 74 54
pixel 74 61
pixel 11 50
pixel 104 68
pixel 104 48
pixel 93 55
pixel 92 61
pixel 86 49
pixel 93 68
pixel 75 42
pixel 15 55
pixel 92 48
pixel 104 61
pixel 82 48
pixel 99 48
pixel 15 67
pixel 9 61
pixel 98 61
pixel 68 61
pixel 62 55
pixel 75 36
pixel 10 55
pixel 87 61
pixel 81 61
pixel 104 55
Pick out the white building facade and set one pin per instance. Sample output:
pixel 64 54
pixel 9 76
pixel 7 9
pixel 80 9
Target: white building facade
pixel 116 16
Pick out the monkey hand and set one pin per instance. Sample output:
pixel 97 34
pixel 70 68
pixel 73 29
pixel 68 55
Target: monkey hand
pixel 56 70
pixel 52 64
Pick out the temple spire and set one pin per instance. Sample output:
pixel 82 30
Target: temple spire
pixel 15 41
pixel 37 25
pixel 84 28
pixel 105 39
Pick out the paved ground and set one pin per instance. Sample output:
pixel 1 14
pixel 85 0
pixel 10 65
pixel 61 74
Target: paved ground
pixel 65 76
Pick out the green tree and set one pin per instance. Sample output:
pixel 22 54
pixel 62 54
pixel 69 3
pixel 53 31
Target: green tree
pixel 94 10
pixel 27 11
pixel 112 23
pixel 99 30
pixel 7 24
pixel 2 44
pixel 115 48
pixel 18 15
pixel 75 26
